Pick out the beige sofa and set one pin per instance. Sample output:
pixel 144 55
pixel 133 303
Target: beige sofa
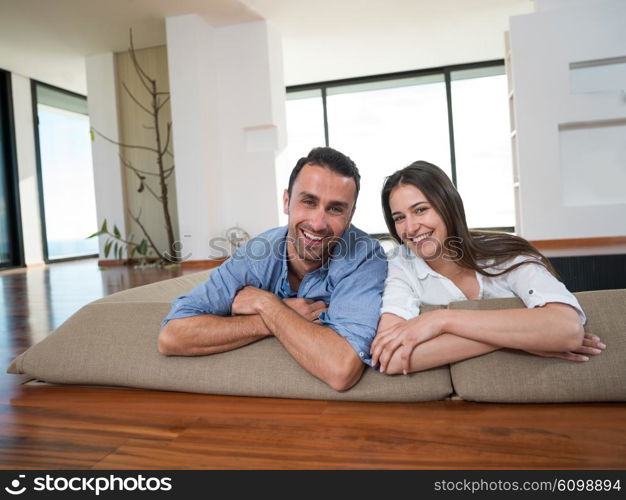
pixel 113 342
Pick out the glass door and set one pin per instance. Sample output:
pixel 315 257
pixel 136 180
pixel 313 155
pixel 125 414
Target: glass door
pixel 65 174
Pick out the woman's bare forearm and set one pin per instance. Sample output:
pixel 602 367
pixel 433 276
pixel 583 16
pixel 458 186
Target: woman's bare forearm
pixel 466 334
pixel 554 327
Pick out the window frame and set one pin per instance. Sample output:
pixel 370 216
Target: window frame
pixel 446 71
pixel 42 209
pixel 11 174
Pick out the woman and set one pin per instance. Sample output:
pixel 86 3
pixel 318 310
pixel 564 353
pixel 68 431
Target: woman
pixel 442 261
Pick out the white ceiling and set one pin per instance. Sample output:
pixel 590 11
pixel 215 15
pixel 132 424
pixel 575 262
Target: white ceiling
pixel 48 39
pixel 323 39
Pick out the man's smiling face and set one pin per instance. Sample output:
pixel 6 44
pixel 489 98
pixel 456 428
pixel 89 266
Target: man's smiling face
pixel 320 209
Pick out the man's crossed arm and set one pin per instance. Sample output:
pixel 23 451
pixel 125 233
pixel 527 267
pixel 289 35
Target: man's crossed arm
pixel 258 314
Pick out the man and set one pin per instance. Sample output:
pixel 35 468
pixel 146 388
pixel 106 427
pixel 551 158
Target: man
pixel 315 285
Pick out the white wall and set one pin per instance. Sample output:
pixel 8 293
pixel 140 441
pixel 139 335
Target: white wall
pixel 250 81
pixel 560 197
pixel 27 169
pixel 107 173
pixel 330 39
pixel 227 98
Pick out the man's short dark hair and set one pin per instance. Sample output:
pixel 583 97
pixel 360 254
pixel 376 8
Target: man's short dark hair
pixel 331 159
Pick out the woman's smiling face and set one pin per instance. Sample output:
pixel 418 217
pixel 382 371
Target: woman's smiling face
pixel 418 224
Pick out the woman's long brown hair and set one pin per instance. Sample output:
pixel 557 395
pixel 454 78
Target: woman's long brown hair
pixel 470 246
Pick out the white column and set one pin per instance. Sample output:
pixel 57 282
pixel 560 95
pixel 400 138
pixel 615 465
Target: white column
pixel 27 169
pixel 251 122
pixel 193 89
pixel 227 97
pixel 107 173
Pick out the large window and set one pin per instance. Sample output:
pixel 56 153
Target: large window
pixel 66 174
pixel 455 117
pixel 379 126
pixel 482 144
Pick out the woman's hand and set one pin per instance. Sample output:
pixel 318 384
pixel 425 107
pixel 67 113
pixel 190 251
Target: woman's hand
pixel 406 336
pixel 591 346
pixel 386 343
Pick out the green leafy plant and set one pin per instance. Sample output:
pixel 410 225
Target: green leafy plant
pixel 120 245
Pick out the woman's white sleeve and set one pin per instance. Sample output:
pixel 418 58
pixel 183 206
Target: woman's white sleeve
pixel 399 297
pixel 536 286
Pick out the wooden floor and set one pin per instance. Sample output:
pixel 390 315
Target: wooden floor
pixel 67 427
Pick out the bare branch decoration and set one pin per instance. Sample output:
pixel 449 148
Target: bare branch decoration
pixel 130 94
pixel 157 100
pixel 121 144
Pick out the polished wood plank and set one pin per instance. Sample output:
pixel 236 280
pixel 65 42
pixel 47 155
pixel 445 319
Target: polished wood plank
pixel 202 264
pixel 186 264
pixel 73 427
pixel 451 434
pixel 582 246
pixel 579 242
pixel 63 429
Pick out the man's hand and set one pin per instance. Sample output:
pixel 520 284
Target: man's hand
pixel 307 308
pixel 591 346
pixel 249 299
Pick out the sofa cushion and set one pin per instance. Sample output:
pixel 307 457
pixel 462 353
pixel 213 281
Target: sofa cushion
pixel 113 342
pixel 517 377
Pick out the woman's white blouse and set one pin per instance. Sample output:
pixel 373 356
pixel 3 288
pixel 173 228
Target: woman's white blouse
pixel 411 282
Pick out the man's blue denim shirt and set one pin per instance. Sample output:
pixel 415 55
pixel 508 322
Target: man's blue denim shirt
pixel 350 282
